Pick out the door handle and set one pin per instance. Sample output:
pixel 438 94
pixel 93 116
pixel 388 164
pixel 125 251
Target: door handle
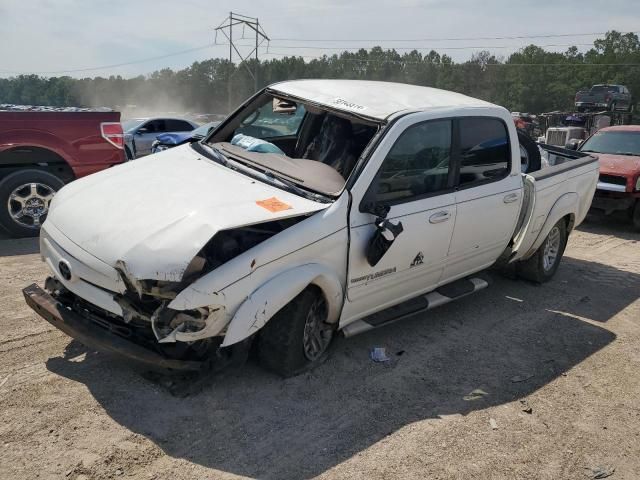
pixel 440 217
pixel 512 197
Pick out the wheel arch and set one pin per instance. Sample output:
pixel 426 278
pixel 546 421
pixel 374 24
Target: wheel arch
pixel 268 299
pixel 566 207
pixel 50 160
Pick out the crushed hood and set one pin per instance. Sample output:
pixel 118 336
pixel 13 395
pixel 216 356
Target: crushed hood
pixel 625 165
pixel 156 213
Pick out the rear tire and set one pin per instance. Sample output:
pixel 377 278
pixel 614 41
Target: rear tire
pixel 542 265
pixel 297 338
pixel 24 201
pixel 635 217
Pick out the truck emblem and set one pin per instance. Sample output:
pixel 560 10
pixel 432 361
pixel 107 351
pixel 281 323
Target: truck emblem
pixel 418 260
pixel 65 269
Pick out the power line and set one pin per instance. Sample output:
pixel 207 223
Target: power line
pixel 357 60
pixel 469 47
pixel 115 65
pixel 441 39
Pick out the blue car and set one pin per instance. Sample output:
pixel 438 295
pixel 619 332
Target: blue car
pixel 170 140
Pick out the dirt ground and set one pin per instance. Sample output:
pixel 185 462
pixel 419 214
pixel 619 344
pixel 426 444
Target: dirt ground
pixel 516 382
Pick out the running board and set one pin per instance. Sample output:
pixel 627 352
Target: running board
pixel 440 296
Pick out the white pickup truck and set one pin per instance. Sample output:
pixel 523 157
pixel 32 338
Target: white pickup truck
pixel 318 207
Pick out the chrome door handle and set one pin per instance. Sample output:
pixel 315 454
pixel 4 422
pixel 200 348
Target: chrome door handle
pixel 512 197
pixel 440 217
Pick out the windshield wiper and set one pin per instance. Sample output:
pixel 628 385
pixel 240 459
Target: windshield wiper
pixel 295 188
pixel 211 152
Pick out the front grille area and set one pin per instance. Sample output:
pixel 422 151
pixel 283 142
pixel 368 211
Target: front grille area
pixel 557 137
pixel 614 179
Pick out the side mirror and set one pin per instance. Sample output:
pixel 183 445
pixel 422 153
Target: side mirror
pixel 382 239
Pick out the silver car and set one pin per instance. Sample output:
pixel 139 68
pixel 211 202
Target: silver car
pixel 139 133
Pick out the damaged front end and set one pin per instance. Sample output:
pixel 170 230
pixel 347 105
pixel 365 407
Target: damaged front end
pixel 148 330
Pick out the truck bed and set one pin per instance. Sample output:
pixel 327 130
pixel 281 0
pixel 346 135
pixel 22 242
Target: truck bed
pixel 569 178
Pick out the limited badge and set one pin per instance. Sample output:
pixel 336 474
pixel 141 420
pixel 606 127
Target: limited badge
pixel 273 204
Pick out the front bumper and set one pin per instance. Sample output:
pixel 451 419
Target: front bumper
pixel 97 338
pixel 609 203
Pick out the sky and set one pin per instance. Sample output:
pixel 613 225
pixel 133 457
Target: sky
pixel 49 37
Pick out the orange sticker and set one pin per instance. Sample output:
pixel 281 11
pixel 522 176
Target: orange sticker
pixel 273 204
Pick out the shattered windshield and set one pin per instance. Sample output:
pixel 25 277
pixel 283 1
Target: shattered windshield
pixel 315 149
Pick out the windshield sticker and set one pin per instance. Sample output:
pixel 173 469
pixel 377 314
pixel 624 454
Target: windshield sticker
pixel 373 276
pixel 344 103
pixel 273 205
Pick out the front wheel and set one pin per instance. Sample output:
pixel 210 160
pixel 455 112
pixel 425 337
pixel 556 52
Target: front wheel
pixel 542 265
pixel 24 201
pixel 297 338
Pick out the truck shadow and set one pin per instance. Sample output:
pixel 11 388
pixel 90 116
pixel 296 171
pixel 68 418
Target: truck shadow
pixel 18 246
pixel 507 341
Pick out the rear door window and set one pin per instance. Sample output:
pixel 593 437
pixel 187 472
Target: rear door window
pixel 178 126
pixel 484 151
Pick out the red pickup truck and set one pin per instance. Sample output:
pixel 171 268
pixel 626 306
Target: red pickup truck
pixel 41 149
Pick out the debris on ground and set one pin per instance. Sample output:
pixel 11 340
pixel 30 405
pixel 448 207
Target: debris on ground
pixel 493 423
pixel 379 355
pixel 600 472
pixel 526 408
pixel 475 395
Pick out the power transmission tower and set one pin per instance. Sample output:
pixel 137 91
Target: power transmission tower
pixel 241 22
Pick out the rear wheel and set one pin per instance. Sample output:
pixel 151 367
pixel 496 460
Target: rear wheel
pixel 24 201
pixel 296 339
pixel 635 217
pixel 542 266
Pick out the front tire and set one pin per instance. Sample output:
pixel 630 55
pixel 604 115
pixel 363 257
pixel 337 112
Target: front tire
pixel 297 338
pixel 24 201
pixel 542 265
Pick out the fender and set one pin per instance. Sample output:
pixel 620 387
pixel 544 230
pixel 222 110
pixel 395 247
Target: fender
pixel 567 204
pixel 33 138
pixel 268 299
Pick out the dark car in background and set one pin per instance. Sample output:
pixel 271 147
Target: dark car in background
pixel 170 140
pixel 614 98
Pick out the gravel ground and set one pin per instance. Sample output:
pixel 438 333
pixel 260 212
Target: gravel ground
pixel 516 382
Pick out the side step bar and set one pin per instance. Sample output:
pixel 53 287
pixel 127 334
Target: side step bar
pixel 440 296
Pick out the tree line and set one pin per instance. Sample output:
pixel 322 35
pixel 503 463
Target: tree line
pixel 530 80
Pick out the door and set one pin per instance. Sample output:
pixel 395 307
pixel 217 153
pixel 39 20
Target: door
pixel 146 134
pixel 424 202
pixel 488 195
